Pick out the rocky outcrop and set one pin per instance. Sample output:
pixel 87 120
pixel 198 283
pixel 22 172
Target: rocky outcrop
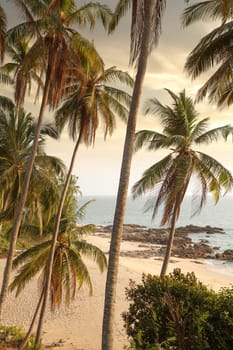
pixel 226 255
pixel 183 246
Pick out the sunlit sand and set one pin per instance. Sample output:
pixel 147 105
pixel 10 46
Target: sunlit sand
pixel 79 325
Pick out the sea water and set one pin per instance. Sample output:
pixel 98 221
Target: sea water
pixel 101 212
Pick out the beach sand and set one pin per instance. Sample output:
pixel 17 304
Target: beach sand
pixel 79 325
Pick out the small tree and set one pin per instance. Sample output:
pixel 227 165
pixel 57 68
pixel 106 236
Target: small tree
pixel 178 312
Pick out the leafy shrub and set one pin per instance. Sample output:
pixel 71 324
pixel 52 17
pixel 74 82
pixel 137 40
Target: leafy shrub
pixel 11 336
pixel 178 312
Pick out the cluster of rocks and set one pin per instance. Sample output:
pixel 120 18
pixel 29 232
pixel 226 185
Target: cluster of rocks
pixel 155 240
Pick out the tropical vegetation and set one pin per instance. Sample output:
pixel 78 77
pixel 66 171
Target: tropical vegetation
pixel 61 49
pixel 11 338
pixel 171 175
pixel 69 270
pixel 91 100
pixel 17 132
pixel 145 30
pixel 47 56
pixel 178 312
pixel 212 53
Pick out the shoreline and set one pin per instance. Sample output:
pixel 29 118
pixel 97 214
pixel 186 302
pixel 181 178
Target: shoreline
pixel 72 326
pixel 153 265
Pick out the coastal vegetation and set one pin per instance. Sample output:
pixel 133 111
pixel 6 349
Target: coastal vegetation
pixel 212 51
pixel 81 81
pixel 62 51
pixel 145 31
pixel 178 312
pixel 48 56
pixel 11 337
pixel 169 178
pixel 69 271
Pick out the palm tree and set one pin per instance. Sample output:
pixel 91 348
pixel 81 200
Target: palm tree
pixel 69 271
pixel 25 68
pixel 181 130
pixel 213 50
pixel 68 267
pixel 145 30
pixel 16 137
pixel 2 33
pixel 61 47
pixel 82 110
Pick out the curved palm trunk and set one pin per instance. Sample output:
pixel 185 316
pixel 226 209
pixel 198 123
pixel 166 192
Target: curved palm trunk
pixel 114 253
pixel 54 241
pixel 23 197
pixel 171 238
pixel 6 200
pixel 29 332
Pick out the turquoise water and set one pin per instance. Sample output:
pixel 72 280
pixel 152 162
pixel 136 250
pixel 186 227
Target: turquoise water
pixel 101 212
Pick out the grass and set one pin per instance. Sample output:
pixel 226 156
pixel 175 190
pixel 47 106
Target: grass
pixel 11 337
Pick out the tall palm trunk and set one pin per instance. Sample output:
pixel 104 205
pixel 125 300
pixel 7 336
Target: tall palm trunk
pixel 6 200
pixel 171 238
pixel 54 241
pixel 19 212
pixel 29 332
pixel 114 253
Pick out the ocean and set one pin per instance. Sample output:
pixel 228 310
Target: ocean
pixel 101 212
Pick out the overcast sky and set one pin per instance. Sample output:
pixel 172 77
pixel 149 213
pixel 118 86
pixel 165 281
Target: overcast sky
pixel 98 168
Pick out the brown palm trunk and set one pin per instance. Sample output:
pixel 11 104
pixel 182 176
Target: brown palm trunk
pixel 54 241
pixel 23 197
pixel 171 238
pixel 6 199
pixel 114 253
pixel 29 332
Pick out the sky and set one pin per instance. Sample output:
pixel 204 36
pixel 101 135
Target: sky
pixel 98 167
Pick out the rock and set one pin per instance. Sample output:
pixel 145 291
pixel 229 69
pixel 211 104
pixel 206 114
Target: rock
pixel 226 255
pixel 182 246
pixel 219 256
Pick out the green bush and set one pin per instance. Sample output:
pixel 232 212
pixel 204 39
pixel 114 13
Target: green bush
pixel 13 336
pixel 178 312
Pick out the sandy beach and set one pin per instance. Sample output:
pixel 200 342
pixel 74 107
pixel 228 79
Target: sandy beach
pixel 79 325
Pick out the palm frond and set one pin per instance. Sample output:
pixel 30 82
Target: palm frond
pixel 176 185
pixel 199 128
pixel 214 134
pixel 225 96
pixel 6 104
pixel 112 75
pixel 50 130
pixel 207 10
pixel 29 269
pixel 151 139
pixel 92 252
pixel 219 176
pixel 31 253
pixel 152 176
pixel 82 210
pixel 81 271
pixel 88 13
pixel 85 229
pixel 87 52
pixel 139 8
pixel 211 50
pixel 122 7
pixel 117 95
pixel 218 84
